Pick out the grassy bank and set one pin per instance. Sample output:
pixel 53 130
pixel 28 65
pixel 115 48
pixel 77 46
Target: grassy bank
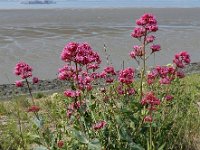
pixel 176 125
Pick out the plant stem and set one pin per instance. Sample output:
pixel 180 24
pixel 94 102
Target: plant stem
pixel 77 83
pixel 144 65
pixel 150 136
pixel 29 89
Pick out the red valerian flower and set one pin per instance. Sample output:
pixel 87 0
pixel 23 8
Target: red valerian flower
pixel 155 48
pixel 150 38
pixel 69 51
pixel 110 70
pixel 35 80
pixel 126 76
pixel 163 73
pixel 23 70
pixel 180 74
pixel 81 53
pixel 138 32
pixel 19 84
pixel 181 59
pixel 137 51
pixel 73 107
pixel 33 108
pixel 108 74
pixel 147 23
pixel 72 93
pixel 146 19
pixel 99 125
pixel 66 73
pixel 150 99
pixel 169 97
pixel 60 143
pixel 148 119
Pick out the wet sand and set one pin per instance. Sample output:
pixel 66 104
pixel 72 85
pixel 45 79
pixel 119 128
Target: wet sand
pixel 38 36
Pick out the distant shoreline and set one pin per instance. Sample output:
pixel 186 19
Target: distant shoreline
pixel 98 8
pixel 7 91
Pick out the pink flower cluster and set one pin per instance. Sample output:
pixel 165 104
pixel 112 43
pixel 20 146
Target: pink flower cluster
pixel 146 24
pixel 66 73
pixel 126 77
pixel 108 74
pixel 85 81
pixel 81 53
pixel 169 97
pixel 79 56
pixel 150 38
pixel 60 143
pixel 165 74
pixel 19 83
pixel 35 80
pixel 33 108
pixel 150 100
pixel 99 125
pixel 137 51
pixel 155 48
pixel 181 59
pixel 138 32
pixel 122 89
pixel 72 93
pixel 24 71
pixel 73 107
pixel 148 118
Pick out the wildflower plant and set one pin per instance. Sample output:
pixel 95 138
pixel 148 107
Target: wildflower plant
pixel 126 113
pixel 24 71
pixel 163 75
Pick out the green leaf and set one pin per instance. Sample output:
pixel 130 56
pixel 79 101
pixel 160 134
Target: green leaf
pixel 38 122
pixel 94 145
pixel 48 136
pixel 136 146
pixel 92 96
pixel 40 148
pixel 162 147
pixel 124 135
pixel 118 119
pixel 80 136
pixel 32 137
pixel 93 106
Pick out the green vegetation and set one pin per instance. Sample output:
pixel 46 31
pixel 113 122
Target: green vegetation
pixel 176 123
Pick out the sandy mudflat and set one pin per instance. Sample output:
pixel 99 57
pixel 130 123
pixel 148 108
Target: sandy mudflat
pixel 38 36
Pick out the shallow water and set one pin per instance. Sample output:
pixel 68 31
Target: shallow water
pixel 39 39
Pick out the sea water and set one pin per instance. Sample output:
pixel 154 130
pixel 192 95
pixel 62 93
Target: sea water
pixel 16 4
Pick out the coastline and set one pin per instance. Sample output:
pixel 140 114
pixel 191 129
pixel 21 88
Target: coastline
pixel 8 91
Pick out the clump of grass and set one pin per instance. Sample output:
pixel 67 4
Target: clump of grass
pixel 39 95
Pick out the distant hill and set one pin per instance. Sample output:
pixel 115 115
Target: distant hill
pixel 38 2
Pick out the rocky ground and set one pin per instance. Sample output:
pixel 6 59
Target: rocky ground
pixel 9 90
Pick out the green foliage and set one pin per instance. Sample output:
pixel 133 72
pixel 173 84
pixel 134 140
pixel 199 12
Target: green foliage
pixel 176 123
pixel 39 95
